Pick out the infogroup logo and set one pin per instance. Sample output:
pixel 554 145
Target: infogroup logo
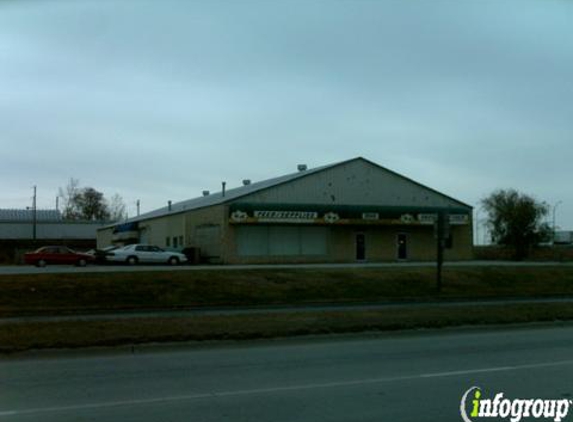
pixel 514 409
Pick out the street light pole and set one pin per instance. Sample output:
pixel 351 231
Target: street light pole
pixel 554 226
pixel 34 215
pixel 477 228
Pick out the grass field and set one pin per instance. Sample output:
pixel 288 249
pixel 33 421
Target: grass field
pixel 72 334
pixel 80 293
pixel 49 294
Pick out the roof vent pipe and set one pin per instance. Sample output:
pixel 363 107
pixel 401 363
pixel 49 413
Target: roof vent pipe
pixel 223 184
pixel 246 182
pixel 168 205
pixel 302 167
pixel 206 193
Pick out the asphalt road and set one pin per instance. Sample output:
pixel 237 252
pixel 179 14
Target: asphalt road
pixel 59 269
pixel 418 376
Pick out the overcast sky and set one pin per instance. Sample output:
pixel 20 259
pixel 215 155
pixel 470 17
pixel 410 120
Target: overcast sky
pixel 159 100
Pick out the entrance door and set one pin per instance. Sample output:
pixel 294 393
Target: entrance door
pixel 360 247
pixel 402 246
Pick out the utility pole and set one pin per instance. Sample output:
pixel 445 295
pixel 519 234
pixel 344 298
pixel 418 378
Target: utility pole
pixel 137 203
pixel 441 231
pixel 34 219
pixel 477 228
pixel 440 251
pixel 554 226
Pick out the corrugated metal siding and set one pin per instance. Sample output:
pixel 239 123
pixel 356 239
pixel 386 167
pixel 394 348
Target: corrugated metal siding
pixel 281 241
pixel 353 183
pixel 15 215
pixel 157 231
pixel 350 177
pixel 104 238
pixel 49 230
pixel 208 239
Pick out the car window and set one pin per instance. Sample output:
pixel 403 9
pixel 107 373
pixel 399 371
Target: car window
pixel 155 249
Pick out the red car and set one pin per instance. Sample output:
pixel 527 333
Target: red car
pixel 57 255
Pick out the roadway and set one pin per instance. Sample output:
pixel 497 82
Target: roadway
pixel 61 269
pixel 411 376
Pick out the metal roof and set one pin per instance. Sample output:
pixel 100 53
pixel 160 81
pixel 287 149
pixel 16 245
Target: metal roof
pixel 232 194
pixel 14 215
pixel 217 198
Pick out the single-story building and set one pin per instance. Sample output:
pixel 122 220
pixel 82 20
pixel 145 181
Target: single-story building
pixel 23 230
pixel 351 211
pixel 48 225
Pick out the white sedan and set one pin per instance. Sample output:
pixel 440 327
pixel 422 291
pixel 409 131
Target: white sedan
pixel 134 254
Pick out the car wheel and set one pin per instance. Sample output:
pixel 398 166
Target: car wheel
pixel 82 263
pixel 132 260
pixel 41 263
pixel 173 261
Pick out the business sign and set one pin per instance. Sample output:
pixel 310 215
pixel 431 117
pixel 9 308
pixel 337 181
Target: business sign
pixel 260 216
pixel 370 216
pixel 427 218
pixel 255 216
pixel 454 219
pixel 458 219
pixel 285 216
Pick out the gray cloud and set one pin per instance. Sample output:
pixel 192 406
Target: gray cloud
pixel 160 100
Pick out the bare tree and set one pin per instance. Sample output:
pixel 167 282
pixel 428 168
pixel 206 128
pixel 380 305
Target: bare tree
pixel 68 196
pixel 117 208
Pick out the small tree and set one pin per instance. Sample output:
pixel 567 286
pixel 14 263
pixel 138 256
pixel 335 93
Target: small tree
pixel 92 205
pixel 515 220
pixel 83 203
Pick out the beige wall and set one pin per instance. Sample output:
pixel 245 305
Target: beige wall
pixel 152 231
pixel 380 240
pixel 204 222
pixel 380 245
pixel 156 231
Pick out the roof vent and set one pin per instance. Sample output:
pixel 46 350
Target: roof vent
pixel 168 205
pixel 206 193
pixel 246 182
pixel 302 167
